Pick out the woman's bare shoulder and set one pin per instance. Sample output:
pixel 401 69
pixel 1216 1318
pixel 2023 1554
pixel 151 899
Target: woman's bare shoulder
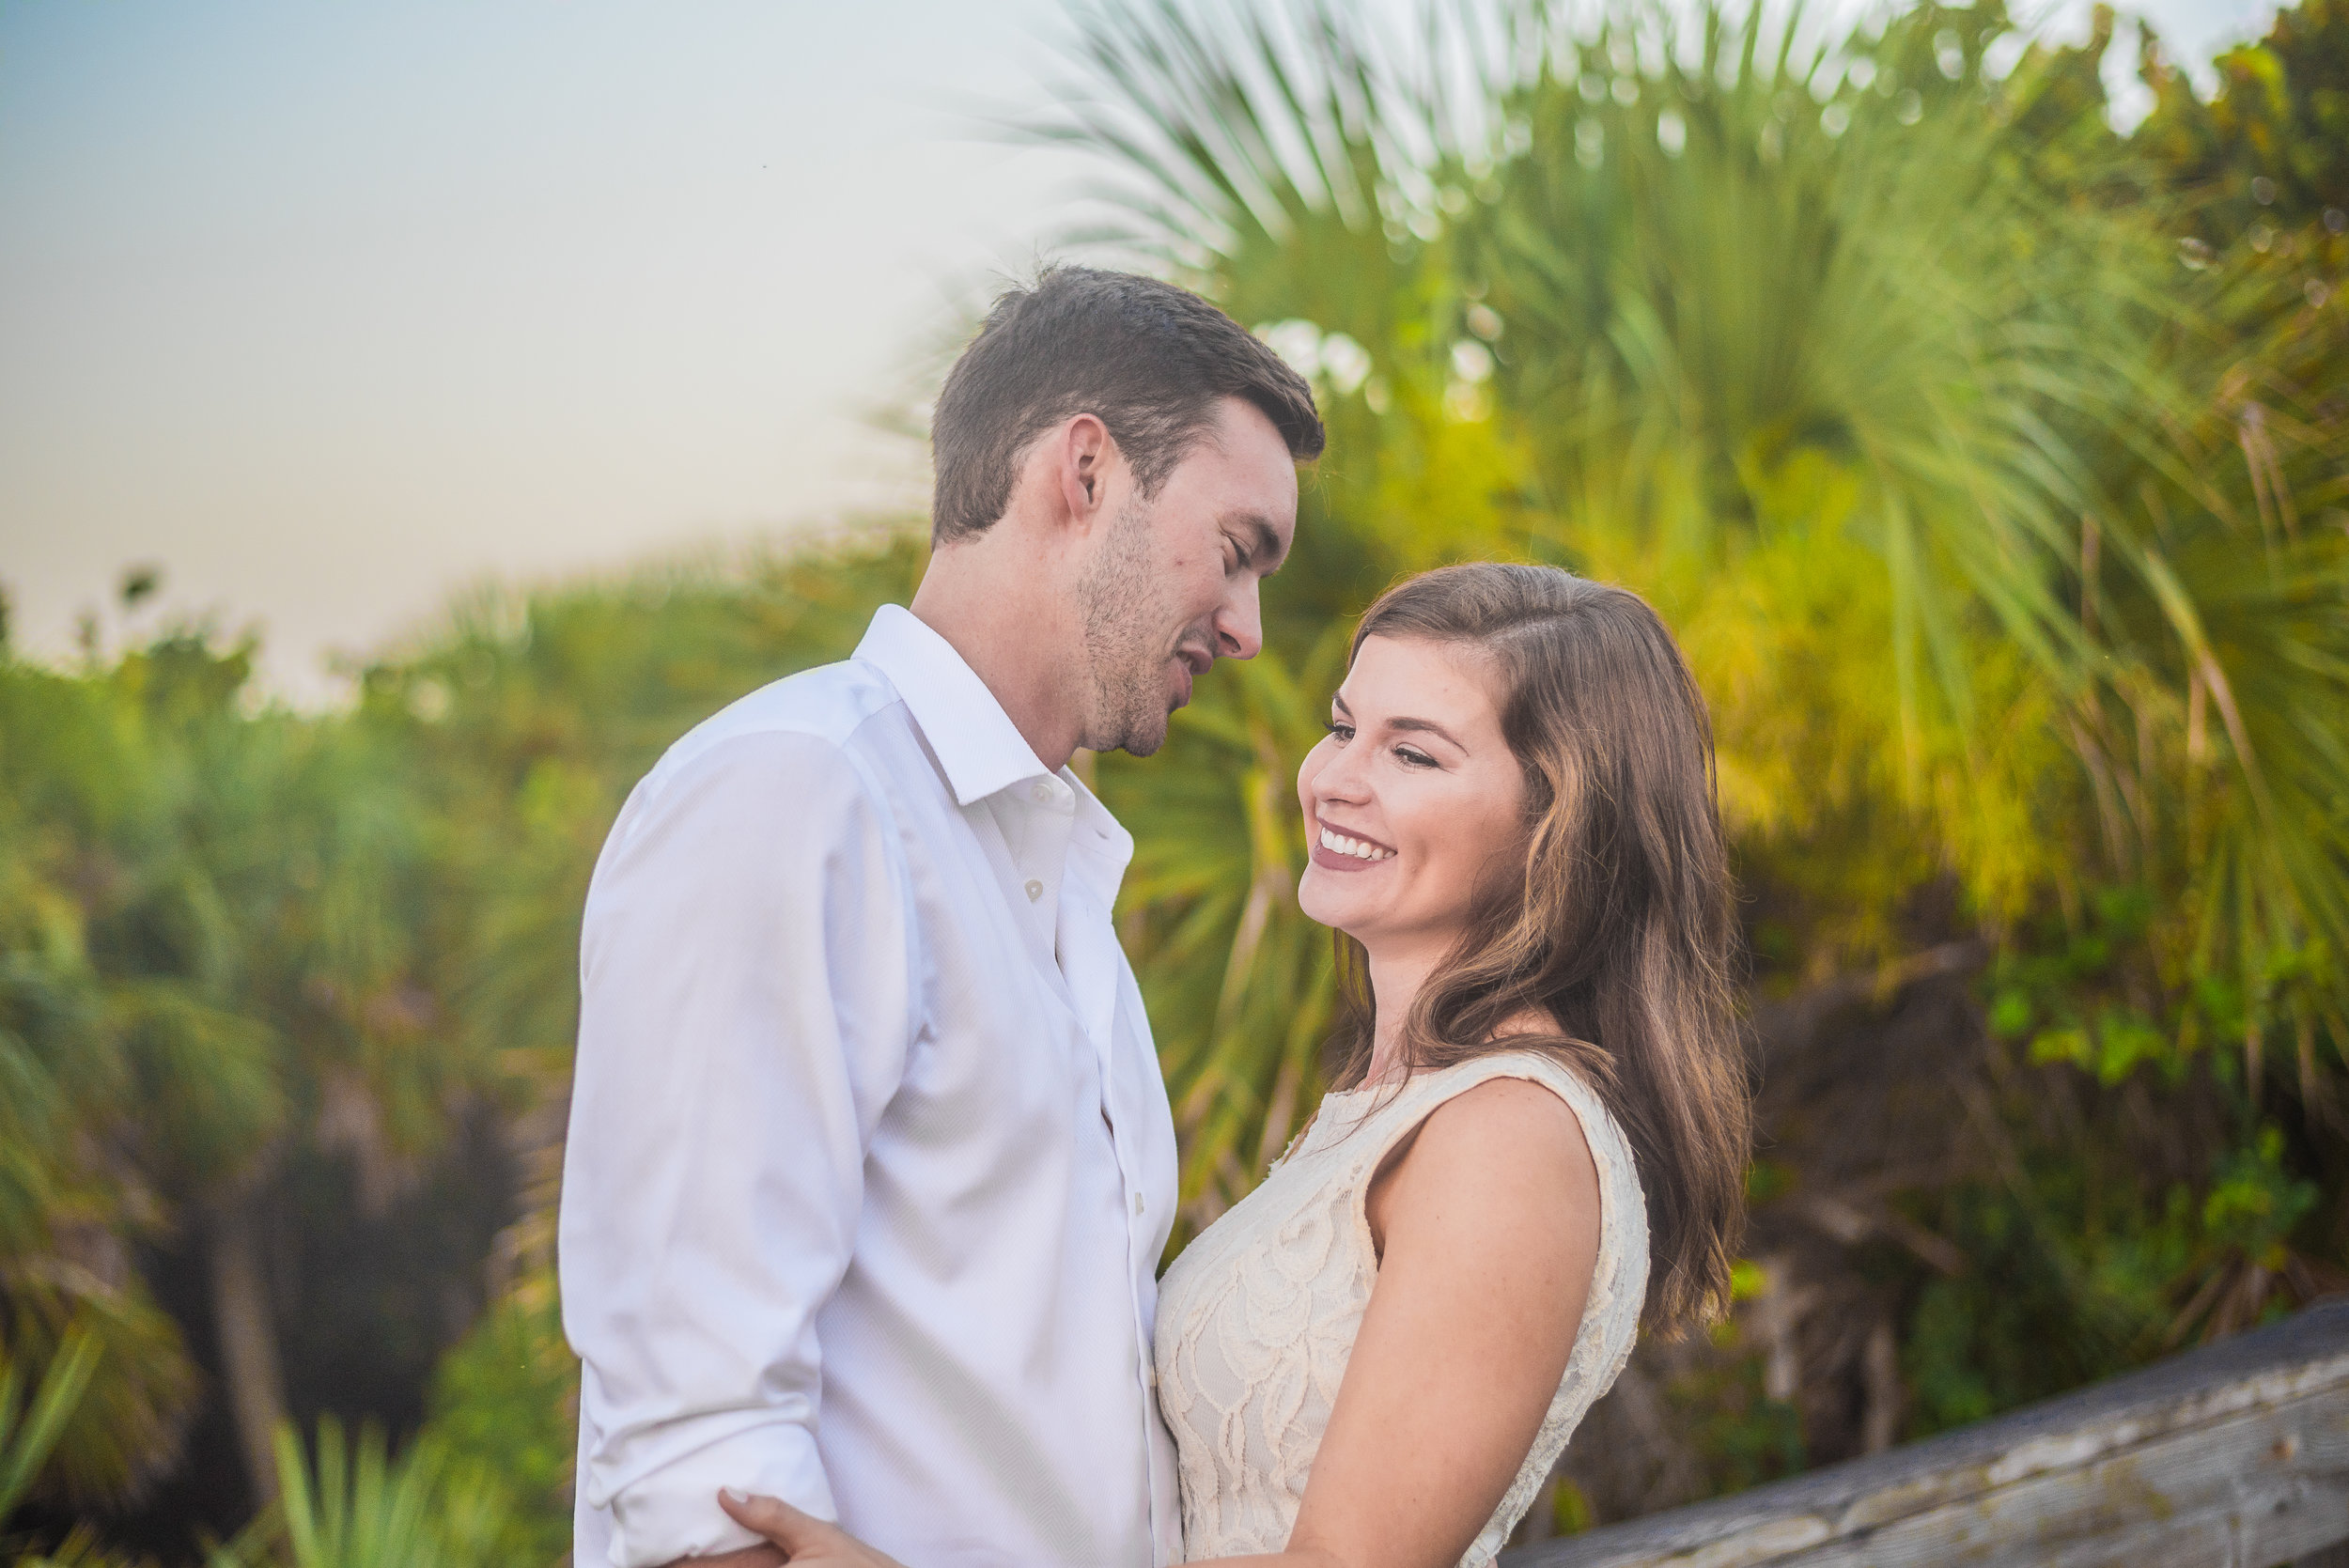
pixel 1518 1122
pixel 1500 1158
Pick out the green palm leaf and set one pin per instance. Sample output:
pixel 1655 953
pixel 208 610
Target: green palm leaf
pixel 29 1433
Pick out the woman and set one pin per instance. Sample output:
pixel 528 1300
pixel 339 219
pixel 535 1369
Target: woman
pixel 1538 1125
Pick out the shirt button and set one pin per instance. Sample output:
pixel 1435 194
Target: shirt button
pixel 1040 790
pixel 1035 889
pixel 1137 1202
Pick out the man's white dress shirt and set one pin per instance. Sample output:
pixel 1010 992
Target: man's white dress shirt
pixel 870 1164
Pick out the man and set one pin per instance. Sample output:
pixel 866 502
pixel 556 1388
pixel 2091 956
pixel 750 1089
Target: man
pixel 870 1166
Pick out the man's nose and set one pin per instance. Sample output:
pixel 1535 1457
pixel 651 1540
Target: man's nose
pixel 1239 624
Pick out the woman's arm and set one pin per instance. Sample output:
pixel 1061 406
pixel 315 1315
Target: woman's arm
pixel 1488 1222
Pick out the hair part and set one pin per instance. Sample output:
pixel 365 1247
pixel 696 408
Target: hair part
pixel 1152 362
pixel 1615 923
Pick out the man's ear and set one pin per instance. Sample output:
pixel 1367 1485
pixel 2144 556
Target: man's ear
pixel 1084 452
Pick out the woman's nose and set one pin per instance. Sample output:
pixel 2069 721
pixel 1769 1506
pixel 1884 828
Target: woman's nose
pixel 1340 779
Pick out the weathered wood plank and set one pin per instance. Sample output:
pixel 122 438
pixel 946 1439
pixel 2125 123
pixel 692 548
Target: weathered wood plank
pixel 2235 1454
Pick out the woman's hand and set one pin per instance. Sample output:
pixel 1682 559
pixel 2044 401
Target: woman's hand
pixel 807 1542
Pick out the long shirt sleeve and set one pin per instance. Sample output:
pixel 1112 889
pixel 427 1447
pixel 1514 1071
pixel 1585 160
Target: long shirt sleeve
pixel 745 1012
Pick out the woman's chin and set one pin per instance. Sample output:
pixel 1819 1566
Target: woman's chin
pixel 1335 913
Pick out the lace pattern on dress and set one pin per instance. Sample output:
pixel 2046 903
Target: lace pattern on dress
pixel 1257 1317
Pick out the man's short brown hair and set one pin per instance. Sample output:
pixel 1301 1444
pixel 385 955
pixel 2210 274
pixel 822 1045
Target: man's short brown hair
pixel 1147 359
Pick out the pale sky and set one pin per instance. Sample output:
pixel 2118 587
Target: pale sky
pixel 332 310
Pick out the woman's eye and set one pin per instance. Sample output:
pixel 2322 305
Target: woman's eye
pixel 1413 758
pixel 1338 727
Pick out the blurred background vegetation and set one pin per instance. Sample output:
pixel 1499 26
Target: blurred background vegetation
pixel 1992 464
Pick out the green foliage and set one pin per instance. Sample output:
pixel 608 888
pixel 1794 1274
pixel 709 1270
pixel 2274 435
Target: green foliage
pixel 504 1403
pixel 208 920
pixel 29 1431
pixel 2281 118
pixel 2255 1203
pixel 2070 994
pixel 1981 1343
pixel 359 1508
pixel 1749 1436
pixel 82 1548
pixel 2079 1274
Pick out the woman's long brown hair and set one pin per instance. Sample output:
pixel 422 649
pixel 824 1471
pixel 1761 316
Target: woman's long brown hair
pixel 1617 924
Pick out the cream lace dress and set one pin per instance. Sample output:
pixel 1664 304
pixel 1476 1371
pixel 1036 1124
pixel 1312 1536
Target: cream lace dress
pixel 1257 1317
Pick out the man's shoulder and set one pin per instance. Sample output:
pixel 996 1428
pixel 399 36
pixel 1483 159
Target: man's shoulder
pixel 816 719
pixel 795 763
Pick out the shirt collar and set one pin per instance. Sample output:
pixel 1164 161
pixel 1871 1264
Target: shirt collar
pixel 974 738
pixel 1109 839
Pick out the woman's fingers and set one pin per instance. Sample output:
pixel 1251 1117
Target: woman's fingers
pixel 803 1537
pixel 799 1534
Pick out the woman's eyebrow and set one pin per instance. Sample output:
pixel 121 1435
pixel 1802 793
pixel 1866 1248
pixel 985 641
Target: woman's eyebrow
pixel 1425 727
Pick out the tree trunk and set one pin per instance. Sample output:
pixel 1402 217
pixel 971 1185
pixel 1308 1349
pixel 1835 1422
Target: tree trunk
pixel 248 1339
pixel 1880 1382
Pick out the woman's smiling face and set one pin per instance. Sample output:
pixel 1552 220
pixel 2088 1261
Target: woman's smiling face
pixel 1412 800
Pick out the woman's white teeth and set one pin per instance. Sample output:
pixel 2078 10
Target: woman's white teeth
pixel 1353 847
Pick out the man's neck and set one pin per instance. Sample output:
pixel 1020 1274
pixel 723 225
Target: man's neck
pixel 1016 634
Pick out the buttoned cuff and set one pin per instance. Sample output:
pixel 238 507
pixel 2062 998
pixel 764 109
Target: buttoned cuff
pixel 674 1513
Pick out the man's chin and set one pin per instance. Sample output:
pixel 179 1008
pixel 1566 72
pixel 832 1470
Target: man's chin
pixel 1142 743
pixel 1140 736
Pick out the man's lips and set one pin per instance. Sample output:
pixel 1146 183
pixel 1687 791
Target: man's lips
pixel 1193 662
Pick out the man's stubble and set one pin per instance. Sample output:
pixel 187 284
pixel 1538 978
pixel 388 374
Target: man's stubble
pixel 1124 659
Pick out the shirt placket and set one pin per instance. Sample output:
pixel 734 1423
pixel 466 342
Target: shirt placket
pixel 1048 811
pixel 1086 924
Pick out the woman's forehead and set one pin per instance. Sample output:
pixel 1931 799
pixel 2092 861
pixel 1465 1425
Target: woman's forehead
pixel 1385 666
pixel 1416 677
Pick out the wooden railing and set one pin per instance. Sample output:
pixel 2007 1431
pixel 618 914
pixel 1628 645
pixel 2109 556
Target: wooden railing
pixel 2235 1455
